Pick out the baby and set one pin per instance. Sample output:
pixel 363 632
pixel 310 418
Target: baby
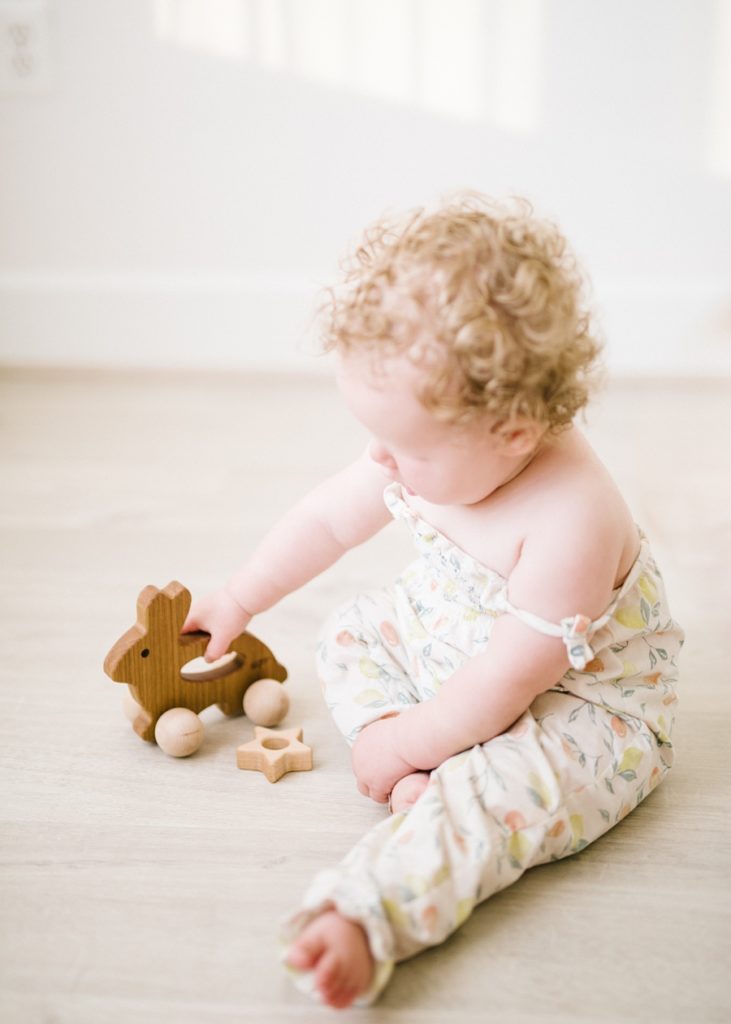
pixel 512 694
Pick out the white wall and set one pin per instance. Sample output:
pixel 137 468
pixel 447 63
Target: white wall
pixel 193 169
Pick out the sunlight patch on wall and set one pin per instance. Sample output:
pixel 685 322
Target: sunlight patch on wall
pixel 475 60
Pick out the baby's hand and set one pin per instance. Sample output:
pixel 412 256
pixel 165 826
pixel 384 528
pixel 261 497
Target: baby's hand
pixel 218 614
pixel 377 764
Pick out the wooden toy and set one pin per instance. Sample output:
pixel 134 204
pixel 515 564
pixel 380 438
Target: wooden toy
pixel 149 657
pixel 266 703
pixel 275 752
pixel 179 732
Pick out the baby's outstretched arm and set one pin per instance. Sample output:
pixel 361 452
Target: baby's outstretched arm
pixel 340 513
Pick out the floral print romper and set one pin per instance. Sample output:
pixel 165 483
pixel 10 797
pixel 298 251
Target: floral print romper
pixel 575 763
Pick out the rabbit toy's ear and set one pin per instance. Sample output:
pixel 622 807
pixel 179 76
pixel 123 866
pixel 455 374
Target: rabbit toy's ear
pixel 180 601
pixel 144 605
pixel 163 611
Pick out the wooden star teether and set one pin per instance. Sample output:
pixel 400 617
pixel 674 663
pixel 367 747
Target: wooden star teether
pixel 274 752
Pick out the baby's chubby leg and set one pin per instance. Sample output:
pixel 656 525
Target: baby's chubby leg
pixel 553 783
pixel 363 666
pixel 335 949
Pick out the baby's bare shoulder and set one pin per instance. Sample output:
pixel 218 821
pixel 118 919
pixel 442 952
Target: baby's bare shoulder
pixel 579 517
pixel 573 488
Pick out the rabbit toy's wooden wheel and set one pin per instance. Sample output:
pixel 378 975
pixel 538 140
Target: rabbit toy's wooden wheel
pixel 179 732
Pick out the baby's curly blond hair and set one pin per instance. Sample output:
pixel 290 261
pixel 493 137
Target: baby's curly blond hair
pixel 499 297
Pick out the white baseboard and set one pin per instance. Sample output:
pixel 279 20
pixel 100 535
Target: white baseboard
pixel 229 321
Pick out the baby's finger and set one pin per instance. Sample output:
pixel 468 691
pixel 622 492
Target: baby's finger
pixel 215 650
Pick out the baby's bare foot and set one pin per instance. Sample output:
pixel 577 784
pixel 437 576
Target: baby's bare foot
pixel 336 951
pixel 408 790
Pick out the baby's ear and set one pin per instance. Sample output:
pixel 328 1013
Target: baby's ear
pixel 519 437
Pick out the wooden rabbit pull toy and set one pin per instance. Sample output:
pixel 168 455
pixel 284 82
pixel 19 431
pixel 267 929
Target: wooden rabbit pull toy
pixel 149 657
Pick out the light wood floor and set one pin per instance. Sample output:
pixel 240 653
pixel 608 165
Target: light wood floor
pixel 136 888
